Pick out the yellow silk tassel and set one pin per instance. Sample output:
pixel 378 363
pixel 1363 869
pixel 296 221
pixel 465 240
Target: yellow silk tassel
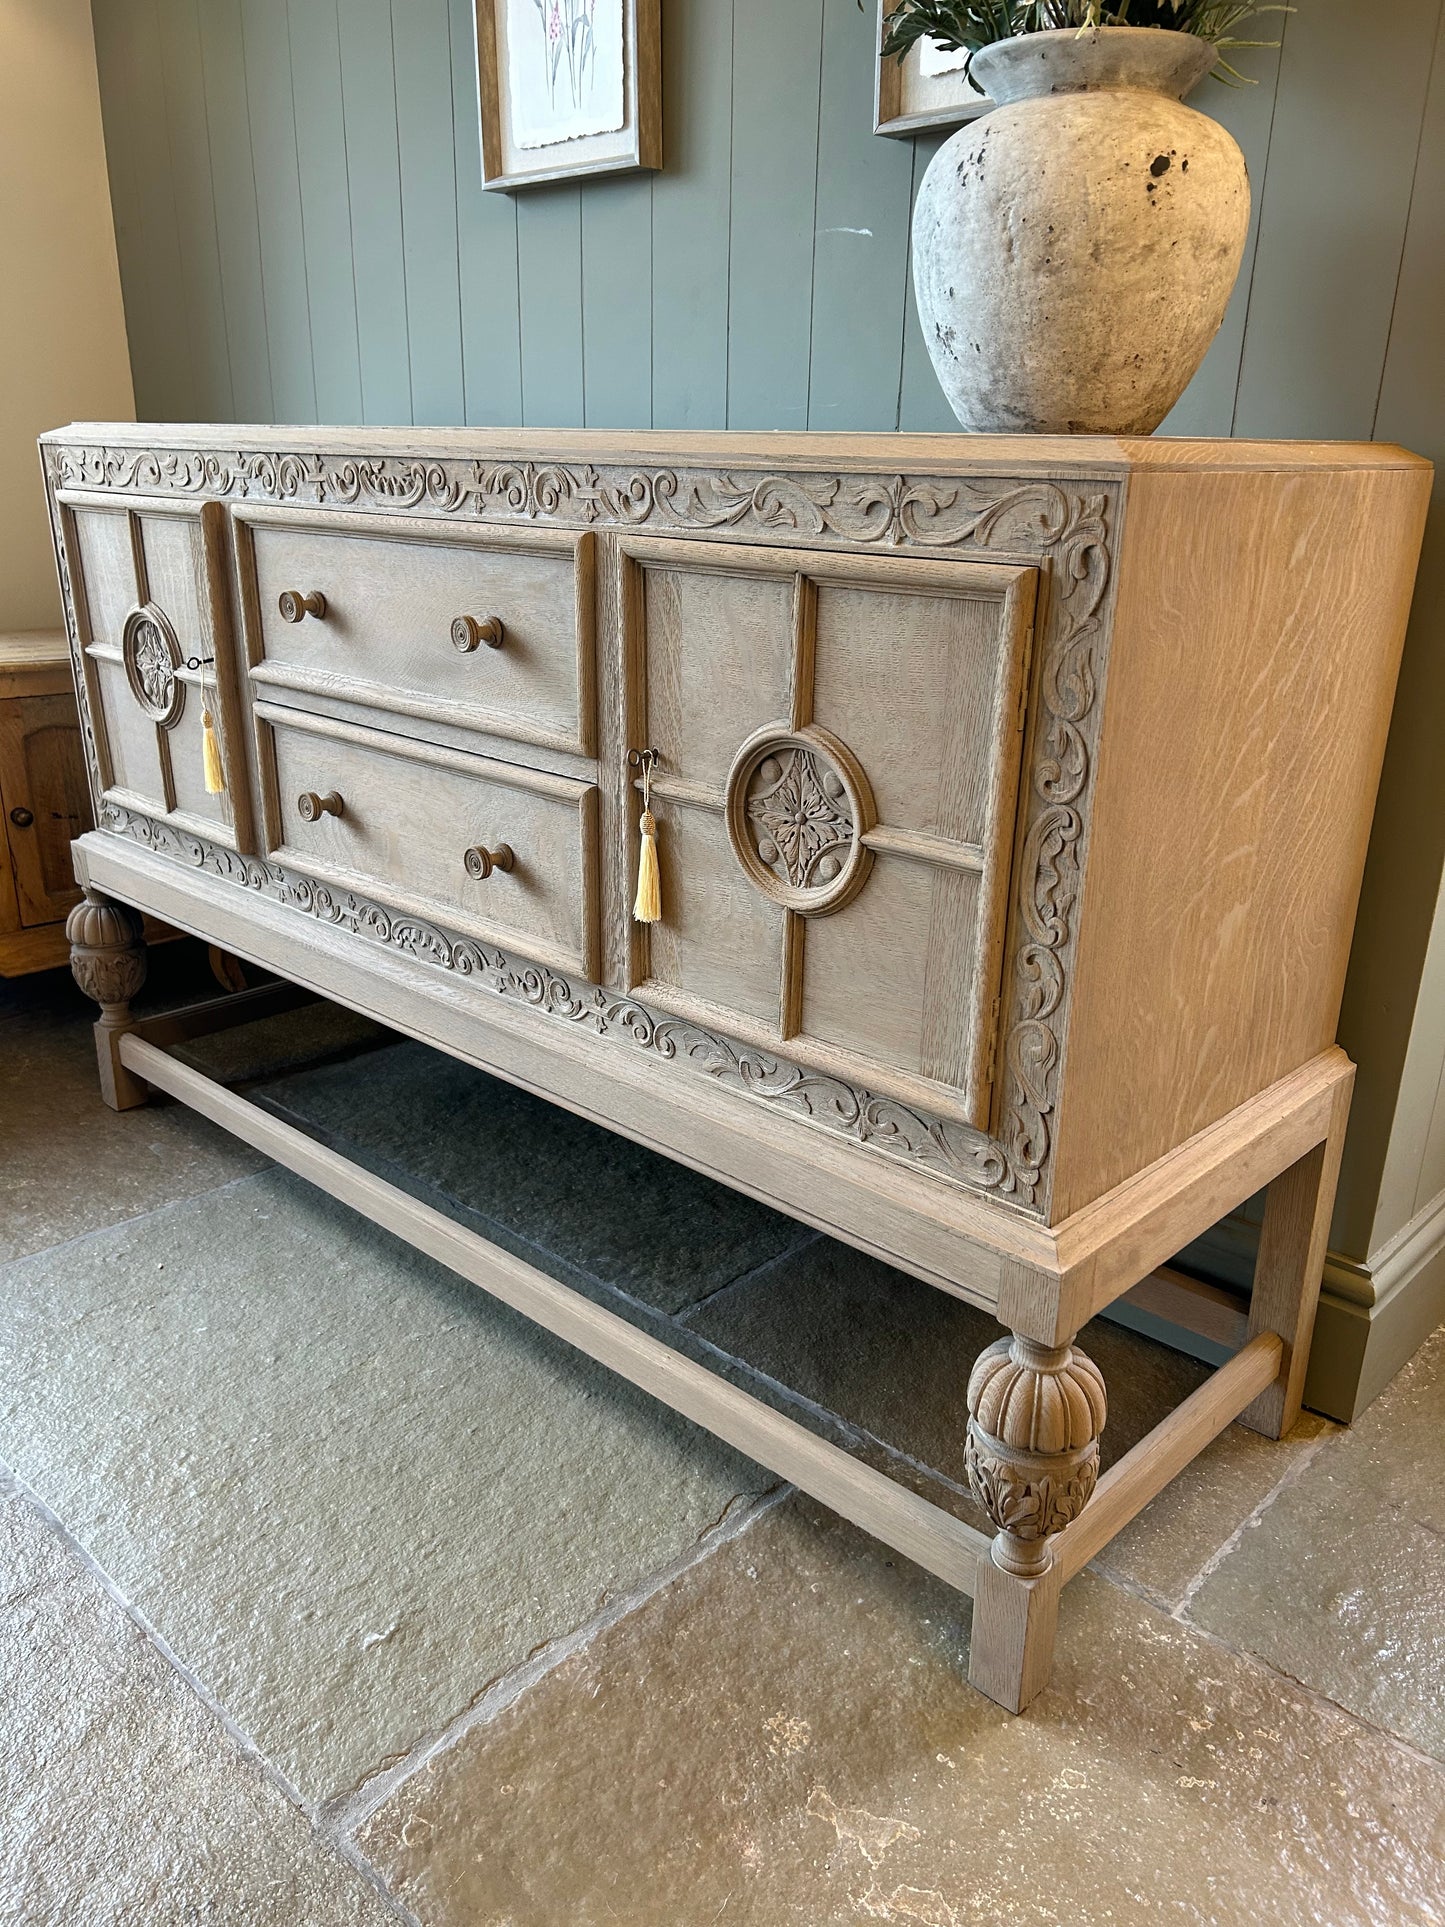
pixel 648 907
pixel 211 757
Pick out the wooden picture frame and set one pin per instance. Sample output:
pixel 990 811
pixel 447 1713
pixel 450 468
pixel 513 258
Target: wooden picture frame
pixel 510 161
pixel 908 100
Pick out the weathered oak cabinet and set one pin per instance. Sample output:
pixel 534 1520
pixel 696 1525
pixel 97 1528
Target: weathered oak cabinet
pixel 44 797
pixel 1012 798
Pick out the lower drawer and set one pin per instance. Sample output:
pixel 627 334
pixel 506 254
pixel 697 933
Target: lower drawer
pixel 489 849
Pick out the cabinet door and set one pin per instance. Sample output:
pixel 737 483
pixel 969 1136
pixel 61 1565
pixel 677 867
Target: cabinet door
pixel 46 799
pixel 152 609
pixel 838 743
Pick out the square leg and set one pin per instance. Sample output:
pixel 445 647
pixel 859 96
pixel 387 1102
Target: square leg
pixel 1290 1265
pixel 1011 1649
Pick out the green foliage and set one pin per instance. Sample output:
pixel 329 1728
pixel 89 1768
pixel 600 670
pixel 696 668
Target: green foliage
pixel 971 24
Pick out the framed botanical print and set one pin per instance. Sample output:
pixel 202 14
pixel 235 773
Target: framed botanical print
pixel 568 88
pixel 927 88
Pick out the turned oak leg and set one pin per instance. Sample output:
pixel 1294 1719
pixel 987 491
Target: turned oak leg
pixel 1035 1413
pixel 1290 1265
pixel 108 961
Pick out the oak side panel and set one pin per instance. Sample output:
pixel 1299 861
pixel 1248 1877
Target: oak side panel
pixel 1252 669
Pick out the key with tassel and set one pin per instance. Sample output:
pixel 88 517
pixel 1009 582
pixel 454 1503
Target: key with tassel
pixel 648 905
pixel 213 770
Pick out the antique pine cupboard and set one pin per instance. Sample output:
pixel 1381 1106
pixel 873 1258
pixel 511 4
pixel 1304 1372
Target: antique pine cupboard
pixel 1011 798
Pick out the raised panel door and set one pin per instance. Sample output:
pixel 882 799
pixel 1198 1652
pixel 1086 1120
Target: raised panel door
pixel 837 746
pixel 152 606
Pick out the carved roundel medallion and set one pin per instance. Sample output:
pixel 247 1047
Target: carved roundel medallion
pixel 152 657
pixel 798 808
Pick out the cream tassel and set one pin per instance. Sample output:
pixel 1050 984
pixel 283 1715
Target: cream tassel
pixel 648 907
pixel 211 756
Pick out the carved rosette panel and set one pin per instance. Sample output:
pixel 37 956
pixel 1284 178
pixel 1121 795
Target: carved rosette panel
pixel 798 808
pixel 1067 527
pixel 1035 1413
pixel 152 658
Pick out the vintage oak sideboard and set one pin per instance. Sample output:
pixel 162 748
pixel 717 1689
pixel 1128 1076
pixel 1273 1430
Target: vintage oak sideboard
pixel 1011 799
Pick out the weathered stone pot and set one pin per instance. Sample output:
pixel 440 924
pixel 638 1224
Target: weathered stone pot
pixel 1074 250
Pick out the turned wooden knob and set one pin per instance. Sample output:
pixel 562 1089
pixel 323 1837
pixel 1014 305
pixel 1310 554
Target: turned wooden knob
pixel 21 817
pixel 481 862
pixel 312 806
pixel 468 632
pixel 295 606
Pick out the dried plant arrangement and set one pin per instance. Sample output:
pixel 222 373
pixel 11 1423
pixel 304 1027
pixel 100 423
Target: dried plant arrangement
pixel 968 25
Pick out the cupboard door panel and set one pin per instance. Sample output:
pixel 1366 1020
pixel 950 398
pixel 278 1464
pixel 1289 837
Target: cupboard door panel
pixel 152 607
pixel 719 660
pixel 838 741
pixel 719 943
pixel 910 682
pixel 905 942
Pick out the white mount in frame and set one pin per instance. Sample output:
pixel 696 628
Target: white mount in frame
pixel 568 88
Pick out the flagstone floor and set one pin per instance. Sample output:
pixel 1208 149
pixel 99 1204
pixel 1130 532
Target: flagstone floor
pixel 331 1592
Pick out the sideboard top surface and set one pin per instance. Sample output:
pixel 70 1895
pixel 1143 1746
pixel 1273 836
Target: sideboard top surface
pixel 1053 455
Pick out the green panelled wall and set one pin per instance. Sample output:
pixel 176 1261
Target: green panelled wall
pixel 303 236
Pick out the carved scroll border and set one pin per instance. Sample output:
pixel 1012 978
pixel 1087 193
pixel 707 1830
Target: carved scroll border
pixel 1067 525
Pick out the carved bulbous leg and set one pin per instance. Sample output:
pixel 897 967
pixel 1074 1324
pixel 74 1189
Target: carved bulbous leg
pixel 108 961
pixel 1035 1413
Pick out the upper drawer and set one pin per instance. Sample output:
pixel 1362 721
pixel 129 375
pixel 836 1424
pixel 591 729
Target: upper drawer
pixel 484 629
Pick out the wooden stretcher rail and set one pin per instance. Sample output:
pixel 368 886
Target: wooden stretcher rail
pixel 922 1532
pixel 1128 1486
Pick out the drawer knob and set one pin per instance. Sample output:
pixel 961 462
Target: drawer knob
pixel 312 806
pixel 468 633
pixel 21 817
pixel 481 862
pixel 295 606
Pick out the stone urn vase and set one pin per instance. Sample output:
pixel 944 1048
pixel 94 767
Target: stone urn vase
pixel 1074 250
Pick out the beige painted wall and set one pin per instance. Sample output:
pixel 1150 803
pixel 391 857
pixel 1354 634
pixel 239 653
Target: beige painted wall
pixel 63 354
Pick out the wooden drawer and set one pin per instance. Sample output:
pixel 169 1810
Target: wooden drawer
pixel 483 629
pixel 151 604
pixel 839 740
pixel 395 820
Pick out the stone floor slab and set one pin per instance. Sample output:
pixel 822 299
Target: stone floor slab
pixel 785 1738
pixel 346 1488
pixel 1176 1535
pixel 124 1801
pixel 894 1355
pixel 274 1047
pixel 550 1186
pixel 70 1163
pixel 1341 1581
